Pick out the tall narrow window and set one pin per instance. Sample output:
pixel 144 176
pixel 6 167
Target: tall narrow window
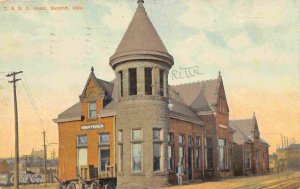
pixel 132 81
pixel 170 151
pixel 121 83
pixel 120 157
pixel 104 158
pixel 209 153
pixel 104 152
pixel 92 110
pixel 157 140
pixel 161 82
pixel 181 150
pixel 120 140
pixel 156 156
pixel 248 159
pixel 148 81
pixel 222 154
pixel 81 151
pixel 136 146
pixel 197 152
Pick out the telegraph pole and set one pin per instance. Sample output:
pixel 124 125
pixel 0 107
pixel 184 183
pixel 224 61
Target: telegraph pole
pixel 45 159
pixel 16 173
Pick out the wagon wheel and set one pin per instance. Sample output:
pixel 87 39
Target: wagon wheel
pixel 94 185
pixel 71 186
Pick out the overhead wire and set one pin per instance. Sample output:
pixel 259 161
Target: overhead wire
pixel 32 101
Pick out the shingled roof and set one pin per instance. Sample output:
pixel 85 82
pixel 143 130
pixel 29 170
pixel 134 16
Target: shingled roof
pixel 200 95
pixel 141 35
pixel 179 109
pixel 73 111
pixel 245 129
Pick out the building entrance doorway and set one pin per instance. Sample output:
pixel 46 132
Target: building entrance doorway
pixel 81 158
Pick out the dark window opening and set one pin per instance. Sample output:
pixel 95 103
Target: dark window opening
pixel 132 81
pixel 104 159
pixel 161 82
pixel 121 82
pixel 156 156
pixel 106 99
pixel 209 153
pixel 148 81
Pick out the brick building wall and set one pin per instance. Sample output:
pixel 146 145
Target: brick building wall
pixel 186 129
pixel 69 131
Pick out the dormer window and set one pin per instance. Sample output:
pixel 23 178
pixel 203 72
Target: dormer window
pixel 92 110
pixel 148 81
pixel 132 81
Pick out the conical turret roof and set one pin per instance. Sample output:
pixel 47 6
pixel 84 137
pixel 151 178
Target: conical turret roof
pixel 141 37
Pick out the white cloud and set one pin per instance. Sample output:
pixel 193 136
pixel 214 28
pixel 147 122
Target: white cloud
pixel 240 41
pixel 219 15
pixel 118 17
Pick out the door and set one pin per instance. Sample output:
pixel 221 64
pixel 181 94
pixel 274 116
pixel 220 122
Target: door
pixel 81 158
pixel 190 163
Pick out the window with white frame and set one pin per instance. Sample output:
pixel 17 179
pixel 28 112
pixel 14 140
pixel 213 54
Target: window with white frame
pixel 104 138
pixel 157 145
pixel 136 134
pixel 81 151
pixel 157 135
pixel 104 152
pixel 136 147
pixel 222 154
pixel 92 110
pixel 181 149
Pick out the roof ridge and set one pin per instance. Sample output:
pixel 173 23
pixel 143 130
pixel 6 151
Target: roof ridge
pixel 194 82
pixel 103 80
pixel 242 119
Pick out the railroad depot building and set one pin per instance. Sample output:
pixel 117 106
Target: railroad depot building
pixel 138 128
pixel 251 152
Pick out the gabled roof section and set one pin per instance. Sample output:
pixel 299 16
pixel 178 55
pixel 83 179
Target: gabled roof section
pixel 200 103
pixel 200 96
pixel 104 85
pixel 181 110
pixel 141 35
pixel 246 126
pixel 245 130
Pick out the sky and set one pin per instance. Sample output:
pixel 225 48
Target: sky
pixel 253 43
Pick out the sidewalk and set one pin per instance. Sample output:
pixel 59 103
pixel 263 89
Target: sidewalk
pixel 245 182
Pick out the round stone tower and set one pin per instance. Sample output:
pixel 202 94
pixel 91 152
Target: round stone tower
pixel 141 64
